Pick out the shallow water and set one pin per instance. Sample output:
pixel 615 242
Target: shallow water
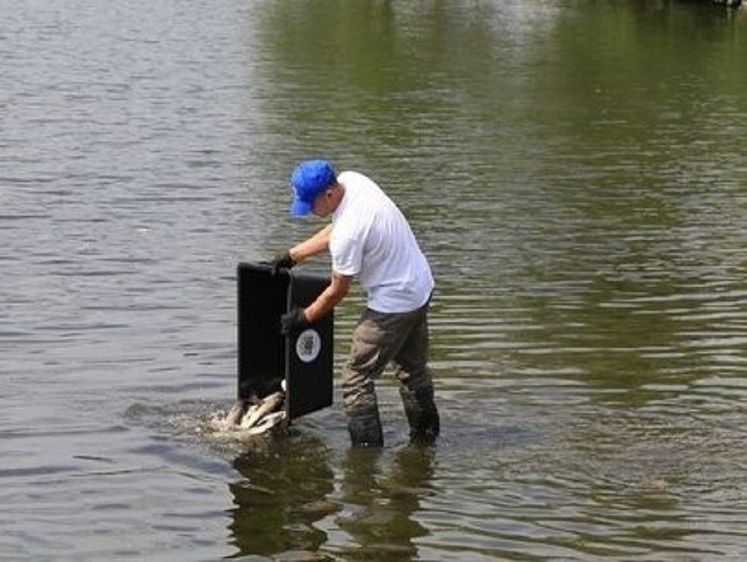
pixel 574 171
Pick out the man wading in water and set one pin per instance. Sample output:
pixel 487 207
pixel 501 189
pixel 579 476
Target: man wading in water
pixel 369 238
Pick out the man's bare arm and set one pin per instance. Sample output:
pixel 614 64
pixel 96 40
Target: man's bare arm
pixel 329 298
pixel 317 244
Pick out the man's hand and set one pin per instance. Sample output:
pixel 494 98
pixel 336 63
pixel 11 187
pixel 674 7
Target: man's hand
pixel 293 321
pixel 282 260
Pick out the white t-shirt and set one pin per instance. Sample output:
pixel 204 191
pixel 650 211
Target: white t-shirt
pixel 371 239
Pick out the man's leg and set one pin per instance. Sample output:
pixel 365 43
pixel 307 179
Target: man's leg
pixel 416 382
pixel 376 340
pixel 365 364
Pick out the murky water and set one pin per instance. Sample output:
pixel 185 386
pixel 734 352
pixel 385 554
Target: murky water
pixel 576 172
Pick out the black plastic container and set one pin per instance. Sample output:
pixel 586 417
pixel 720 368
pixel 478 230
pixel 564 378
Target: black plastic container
pixel 265 356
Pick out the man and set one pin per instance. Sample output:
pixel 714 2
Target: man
pixel 369 238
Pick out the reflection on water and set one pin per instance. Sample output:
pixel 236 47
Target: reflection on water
pixel 283 494
pixel 380 504
pixel 575 172
pixel 291 500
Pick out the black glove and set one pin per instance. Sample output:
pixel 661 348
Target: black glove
pixel 283 260
pixel 293 321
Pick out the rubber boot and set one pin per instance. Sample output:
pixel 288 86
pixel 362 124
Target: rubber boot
pixel 422 414
pixel 364 426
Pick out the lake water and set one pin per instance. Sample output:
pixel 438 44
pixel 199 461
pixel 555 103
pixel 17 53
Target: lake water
pixel 575 171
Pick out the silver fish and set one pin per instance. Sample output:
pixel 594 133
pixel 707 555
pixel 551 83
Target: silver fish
pixel 270 404
pixel 235 414
pixel 265 424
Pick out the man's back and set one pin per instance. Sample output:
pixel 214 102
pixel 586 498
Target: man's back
pixel 371 239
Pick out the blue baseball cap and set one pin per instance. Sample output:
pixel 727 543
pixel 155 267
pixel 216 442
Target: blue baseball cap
pixel 308 180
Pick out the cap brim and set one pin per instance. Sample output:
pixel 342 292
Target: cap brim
pixel 300 208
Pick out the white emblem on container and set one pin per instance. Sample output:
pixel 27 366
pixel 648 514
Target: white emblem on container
pixel 308 345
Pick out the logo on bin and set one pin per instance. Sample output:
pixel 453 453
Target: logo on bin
pixel 308 345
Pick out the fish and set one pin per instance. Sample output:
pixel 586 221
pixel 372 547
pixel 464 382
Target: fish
pixel 234 415
pixel 267 422
pixel 252 416
pixel 232 419
pixel 269 405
